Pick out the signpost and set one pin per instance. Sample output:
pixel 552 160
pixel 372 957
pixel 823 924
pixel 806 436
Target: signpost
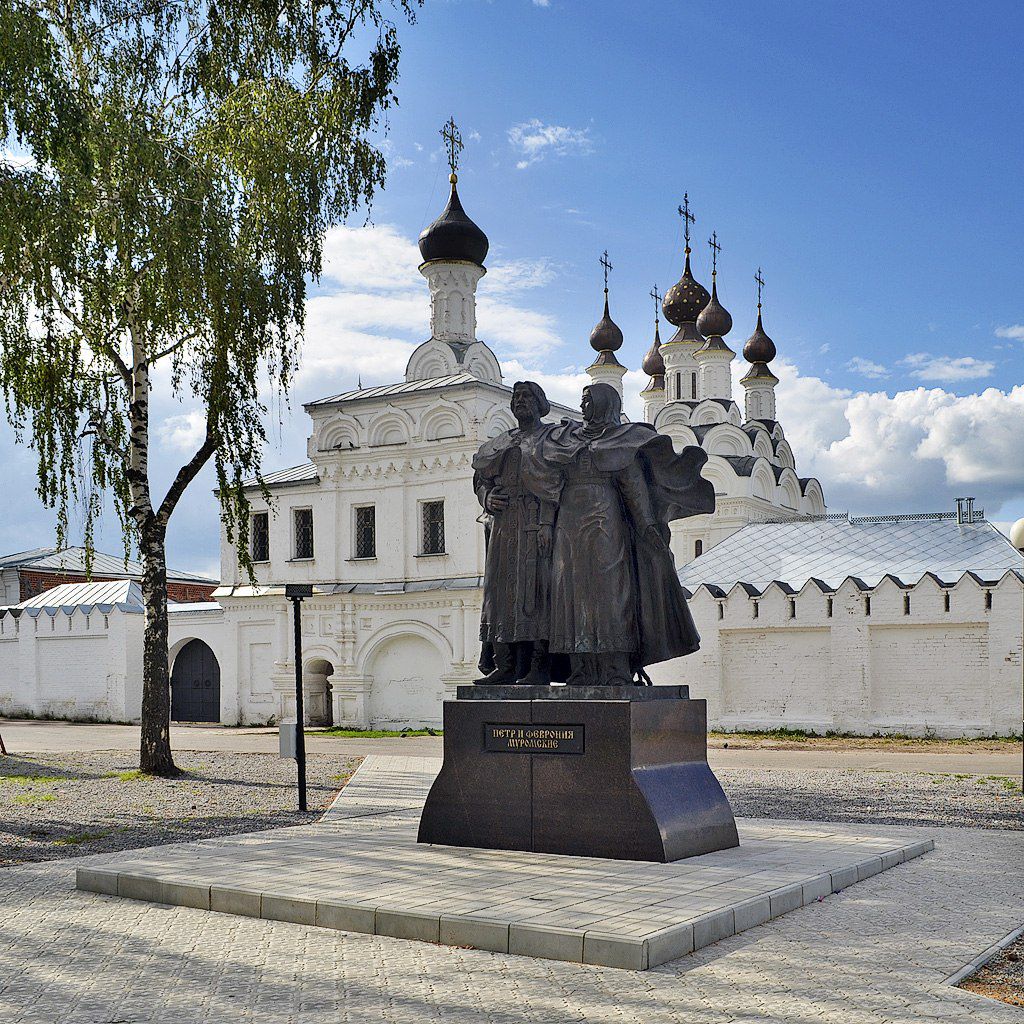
pixel 295 592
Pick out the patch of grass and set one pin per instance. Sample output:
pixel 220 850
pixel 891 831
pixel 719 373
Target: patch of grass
pixel 26 799
pixel 783 733
pixel 77 838
pixel 374 734
pixel 28 780
pixel 131 776
pixel 1004 781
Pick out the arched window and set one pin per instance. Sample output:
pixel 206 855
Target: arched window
pixel 698 548
pixel 693 386
pixel 679 385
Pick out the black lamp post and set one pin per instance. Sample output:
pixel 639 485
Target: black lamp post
pixel 295 592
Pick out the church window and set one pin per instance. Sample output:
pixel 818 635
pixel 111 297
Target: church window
pixel 366 531
pixel 792 608
pixel 698 548
pixel 906 604
pixel 828 607
pixel 259 535
pixel 432 513
pixel 303 525
pixel 945 601
pixel 988 600
pixel 679 385
pixel 721 609
pixel 755 610
pixel 867 604
pixel 693 386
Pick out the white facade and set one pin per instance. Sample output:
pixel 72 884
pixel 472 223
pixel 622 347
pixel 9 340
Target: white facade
pixel 83 662
pixel 929 659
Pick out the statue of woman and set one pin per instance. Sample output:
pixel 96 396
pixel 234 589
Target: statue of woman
pixel 616 602
pixel 520 492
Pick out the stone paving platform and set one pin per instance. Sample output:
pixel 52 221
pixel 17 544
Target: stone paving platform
pixel 361 870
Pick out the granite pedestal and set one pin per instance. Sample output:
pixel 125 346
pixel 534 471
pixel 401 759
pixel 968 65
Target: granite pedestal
pixel 615 772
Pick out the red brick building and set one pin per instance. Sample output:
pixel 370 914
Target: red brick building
pixel 29 573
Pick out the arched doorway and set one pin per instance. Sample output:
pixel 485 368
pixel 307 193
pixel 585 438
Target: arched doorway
pixel 317 693
pixel 407 691
pixel 195 684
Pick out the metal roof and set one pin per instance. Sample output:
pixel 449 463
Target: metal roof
pixel 20 557
pixel 306 473
pixel 69 595
pixel 833 549
pixel 73 560
pixel 407 387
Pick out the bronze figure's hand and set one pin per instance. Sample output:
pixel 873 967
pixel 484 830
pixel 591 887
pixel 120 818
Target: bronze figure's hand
pixel 497 500
pixel 544 537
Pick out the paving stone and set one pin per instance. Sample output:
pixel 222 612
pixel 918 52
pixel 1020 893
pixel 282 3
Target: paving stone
pixel 408 925
pixel 287 908
pixel 345 917
pixel 607 950
pixel 546 941
pixel 476 932
pixel 242 902
pixel 785 900
pixel 709 928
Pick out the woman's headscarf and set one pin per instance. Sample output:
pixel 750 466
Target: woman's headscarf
pixel 607 409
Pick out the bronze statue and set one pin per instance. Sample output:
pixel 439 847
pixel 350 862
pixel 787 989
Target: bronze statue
pixel 616 602
pixel 520 492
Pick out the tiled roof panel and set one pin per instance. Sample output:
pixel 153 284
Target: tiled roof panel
pixel 75 594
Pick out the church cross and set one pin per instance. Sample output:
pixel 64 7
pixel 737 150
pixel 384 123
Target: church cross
pixel 715 250
pixel 656 295
pixel 607 266
pixel 688 218
pixel 760 284
pixel 453 143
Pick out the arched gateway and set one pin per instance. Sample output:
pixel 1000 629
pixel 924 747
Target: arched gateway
pixel 195 684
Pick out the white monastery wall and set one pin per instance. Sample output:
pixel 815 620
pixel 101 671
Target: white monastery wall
pixel 87 664
pixel 884 660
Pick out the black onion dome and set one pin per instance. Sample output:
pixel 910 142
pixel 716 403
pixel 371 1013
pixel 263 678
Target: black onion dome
pixel 685 299
pixel 714 319
pixel 759 347
pixel 453 236
pixel 654 363
pixel 606 336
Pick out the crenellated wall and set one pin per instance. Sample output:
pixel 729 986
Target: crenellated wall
pixel 926 659
pixel 82 663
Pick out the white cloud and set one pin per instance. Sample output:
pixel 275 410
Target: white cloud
pixel 541 3
pixel 866 368
pixel 1013 331
pixel 912 451
pixel 533 141
pixel 518 275
pixel 18 161
pixel 377 257
pixel 184 432
pixel 925 366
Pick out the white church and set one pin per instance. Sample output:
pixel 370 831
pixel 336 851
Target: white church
pixel 806 622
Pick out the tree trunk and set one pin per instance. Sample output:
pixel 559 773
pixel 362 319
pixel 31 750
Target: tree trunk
pixel 155 756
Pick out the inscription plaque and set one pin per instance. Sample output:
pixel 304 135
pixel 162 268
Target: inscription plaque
pixel 505 737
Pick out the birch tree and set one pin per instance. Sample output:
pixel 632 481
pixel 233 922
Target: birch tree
pixel 179 162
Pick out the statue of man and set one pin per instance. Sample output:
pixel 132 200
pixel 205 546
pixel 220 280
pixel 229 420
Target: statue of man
pixel 616 602
pixel 520 492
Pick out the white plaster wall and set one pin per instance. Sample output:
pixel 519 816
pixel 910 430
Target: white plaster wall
pixel 888 670
pixel 72 666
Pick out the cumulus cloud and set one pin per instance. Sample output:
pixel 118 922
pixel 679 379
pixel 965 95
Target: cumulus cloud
pixel 182 433
pixel 924 366
pixel 914 450
pixel 534 140
pixel 866 368
pixel 1013 331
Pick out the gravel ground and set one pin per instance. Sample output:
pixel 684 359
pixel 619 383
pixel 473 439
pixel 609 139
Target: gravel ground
pixel 1002 977
pixel 65 805
pixel 54 805
pixel 877 797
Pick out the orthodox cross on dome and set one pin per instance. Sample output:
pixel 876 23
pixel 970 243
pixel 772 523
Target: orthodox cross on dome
pixel 607 266
pixel 715 250
pixel 453 144
pixel 657 296
pixel 760 285
pixel 688 218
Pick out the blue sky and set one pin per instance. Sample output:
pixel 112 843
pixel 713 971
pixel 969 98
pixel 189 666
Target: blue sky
pixel 867 156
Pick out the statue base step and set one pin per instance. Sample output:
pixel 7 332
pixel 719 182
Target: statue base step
pixel 618 776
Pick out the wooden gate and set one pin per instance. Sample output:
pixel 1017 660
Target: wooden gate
pixel 195 684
